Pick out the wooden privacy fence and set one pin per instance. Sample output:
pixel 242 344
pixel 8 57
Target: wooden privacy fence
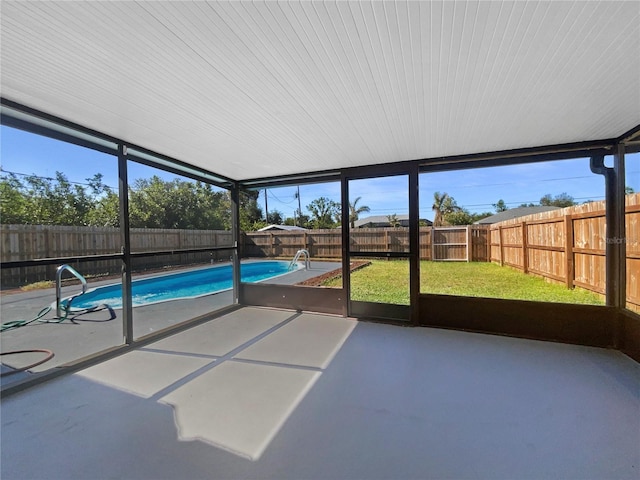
pixel 464 243
pixel 28 242
pixel 568 246
pixel 280 243
pixel 452 243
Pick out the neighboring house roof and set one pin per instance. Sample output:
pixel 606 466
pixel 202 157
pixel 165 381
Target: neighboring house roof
pixel 514 213
pixel 280 227
pixel 383 221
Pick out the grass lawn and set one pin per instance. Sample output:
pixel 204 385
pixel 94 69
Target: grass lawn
pixel 387 282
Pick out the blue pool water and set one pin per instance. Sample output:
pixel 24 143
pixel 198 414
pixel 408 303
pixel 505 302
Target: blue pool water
pixel 194 283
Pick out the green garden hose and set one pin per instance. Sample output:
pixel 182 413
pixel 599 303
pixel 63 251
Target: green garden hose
pixel 38 318
pixel 22 323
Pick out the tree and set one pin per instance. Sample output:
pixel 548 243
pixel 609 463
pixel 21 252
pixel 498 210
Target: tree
pixel 628 190
pixel 157 203
pixel 464 217
pixel 56 202
pixel 393 221
pixel 51 201
pixel 561 200
pixel 274 218
pixel 106 212
pixel 257 225
pixel 153 203
pixel 299 219
pixel 323 212
pixel 460 217
pixel 500 206
pixel 250 212
pixel 479 216
pixel 355 211
pixel 13 201
pixel 443 204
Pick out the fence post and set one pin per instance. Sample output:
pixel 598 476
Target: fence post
pixel 433 244
pixel 486 235
pixel 386 242
pixel 469 243
pixel 215 244
pixel 500 248
pixel 51 269
pixel 525 245
pixel 570 269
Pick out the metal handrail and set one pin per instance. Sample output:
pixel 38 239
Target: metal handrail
pixel 307 261
pixel 59 272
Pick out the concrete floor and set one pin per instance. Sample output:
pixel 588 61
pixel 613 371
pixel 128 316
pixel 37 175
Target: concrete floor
pixel 273 394
pixel 93 332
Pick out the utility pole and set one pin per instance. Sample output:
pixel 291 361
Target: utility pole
pixel 299 207
pixel 266 207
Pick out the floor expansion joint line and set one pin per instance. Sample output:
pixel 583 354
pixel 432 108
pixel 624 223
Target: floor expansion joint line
pixel 180 354
pixel 220 360
pixel 277 364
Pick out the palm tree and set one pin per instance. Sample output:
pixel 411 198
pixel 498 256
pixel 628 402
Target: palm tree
pixel 443 204
pixel 354 211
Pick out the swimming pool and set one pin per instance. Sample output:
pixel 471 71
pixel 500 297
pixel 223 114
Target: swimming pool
pixel 182 285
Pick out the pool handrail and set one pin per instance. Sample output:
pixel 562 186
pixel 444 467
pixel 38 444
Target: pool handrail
pixel 307 260
pixel 59 273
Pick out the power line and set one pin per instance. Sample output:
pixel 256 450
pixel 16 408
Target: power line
pixel 281 201
pixel 483 185
pixel 530 201
pixel 2 170
pixel 540 180
pixel 384 211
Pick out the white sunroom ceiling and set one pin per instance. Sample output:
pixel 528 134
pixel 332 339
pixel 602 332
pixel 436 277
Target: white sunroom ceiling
pixel 262 89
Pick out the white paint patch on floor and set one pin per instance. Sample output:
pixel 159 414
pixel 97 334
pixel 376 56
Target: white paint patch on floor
pixel 239 407
pixel 143 373
pixel 309 340
pixel 218 337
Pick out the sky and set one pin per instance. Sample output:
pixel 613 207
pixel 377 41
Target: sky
pixel 474 189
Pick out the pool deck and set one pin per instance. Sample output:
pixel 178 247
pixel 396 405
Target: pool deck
pixel 86 334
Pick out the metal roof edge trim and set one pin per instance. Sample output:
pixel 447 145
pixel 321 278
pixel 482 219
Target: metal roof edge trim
pixel 456 162
pixel 632 135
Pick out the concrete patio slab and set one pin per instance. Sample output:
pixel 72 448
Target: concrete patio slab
pixel 137 371
pixel 394 403
pixel 237 406
pixel 222 335
pixel 309 340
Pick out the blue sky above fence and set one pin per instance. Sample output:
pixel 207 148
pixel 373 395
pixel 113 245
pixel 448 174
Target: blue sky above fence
pixel 474 189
